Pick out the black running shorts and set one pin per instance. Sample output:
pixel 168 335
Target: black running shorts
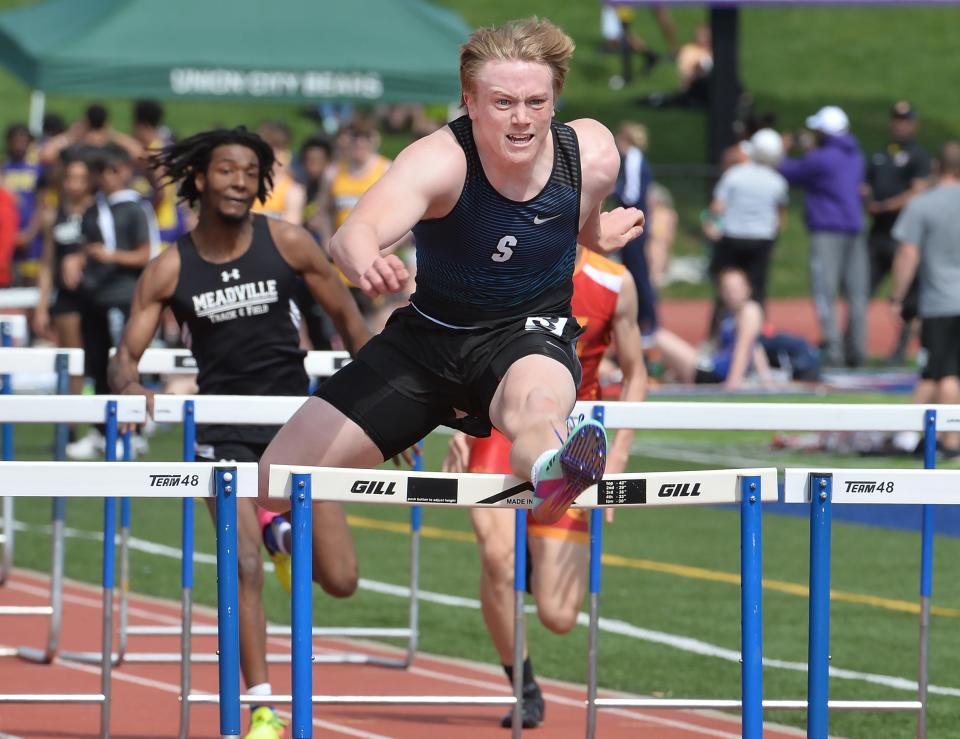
pixel 230 451
pixel 940 339
pixel 416 374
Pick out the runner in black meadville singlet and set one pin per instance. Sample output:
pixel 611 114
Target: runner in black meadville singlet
pixel 231 283
pixel 239 320
pixel 494 283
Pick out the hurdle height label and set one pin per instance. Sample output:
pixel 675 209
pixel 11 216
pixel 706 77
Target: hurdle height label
pixel 431 490
pixel 622 492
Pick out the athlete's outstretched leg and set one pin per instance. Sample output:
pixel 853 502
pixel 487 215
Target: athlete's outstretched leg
pixel 530 406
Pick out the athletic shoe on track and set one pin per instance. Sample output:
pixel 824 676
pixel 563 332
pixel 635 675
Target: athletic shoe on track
pixel 265 724
pixel 577 465
pixel 88 447
pixel 533 709
pixel 282 563
pixel 283 569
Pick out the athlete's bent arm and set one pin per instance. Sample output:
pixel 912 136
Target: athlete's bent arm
pixel 626 335
pixel 424 182
pixel 45 279
pixel 905 264
pixel 599 164
pixel 155 285
pixel 303 254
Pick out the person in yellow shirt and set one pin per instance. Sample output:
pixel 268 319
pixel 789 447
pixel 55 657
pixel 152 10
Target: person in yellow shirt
pixel 360 166
pixel 288 197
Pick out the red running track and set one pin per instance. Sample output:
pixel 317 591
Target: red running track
pixel 145 697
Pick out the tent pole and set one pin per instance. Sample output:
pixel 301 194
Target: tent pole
pixel 37 103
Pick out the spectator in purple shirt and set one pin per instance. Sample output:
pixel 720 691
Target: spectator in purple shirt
pixel 831 172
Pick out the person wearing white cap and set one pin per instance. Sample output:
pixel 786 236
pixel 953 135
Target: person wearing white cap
pixel 831 174
pixel 750 200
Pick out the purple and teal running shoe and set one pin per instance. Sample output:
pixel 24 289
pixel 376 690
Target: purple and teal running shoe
pixel 577 465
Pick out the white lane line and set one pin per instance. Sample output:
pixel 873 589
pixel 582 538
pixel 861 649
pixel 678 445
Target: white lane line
pixel 564 700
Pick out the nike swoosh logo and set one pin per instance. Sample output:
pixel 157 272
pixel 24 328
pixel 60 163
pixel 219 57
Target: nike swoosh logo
pixel 537 220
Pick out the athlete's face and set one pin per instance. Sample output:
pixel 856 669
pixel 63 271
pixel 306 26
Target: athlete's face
pixel 17 146
pixel 902 129
pixel 76 181
pixel 511 106
pixel 361 148
pixel 230 183
pixel 734 290
pixel 315 162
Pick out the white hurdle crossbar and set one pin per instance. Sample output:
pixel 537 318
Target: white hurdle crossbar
pixel 158 361
pixel 747 487
pixel 772 416
pixel 18 298
pixel 225 482
pixel 39 360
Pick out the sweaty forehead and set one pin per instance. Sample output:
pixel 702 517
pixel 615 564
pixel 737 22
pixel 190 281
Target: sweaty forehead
pixel 515 77
pixel 235 154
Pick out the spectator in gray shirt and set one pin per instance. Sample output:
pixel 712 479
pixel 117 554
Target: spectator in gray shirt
pixel 928 230
pixel 751 199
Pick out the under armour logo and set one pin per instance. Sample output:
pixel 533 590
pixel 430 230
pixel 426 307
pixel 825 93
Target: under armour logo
pixel 227 275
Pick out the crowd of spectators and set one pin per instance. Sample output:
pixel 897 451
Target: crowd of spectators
pixel 82 212
pixel 852 200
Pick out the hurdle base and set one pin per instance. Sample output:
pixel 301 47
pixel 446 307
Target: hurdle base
pixel 367 700
pixel 32 654
pixel 272 659
pixel 769 705
pixel 26 610
pixel 52 698
pixel 358 631
pixel 94 658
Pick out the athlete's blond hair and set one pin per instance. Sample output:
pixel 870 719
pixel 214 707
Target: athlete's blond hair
pixel 526 40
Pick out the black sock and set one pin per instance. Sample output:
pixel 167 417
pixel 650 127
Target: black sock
pixel 528 679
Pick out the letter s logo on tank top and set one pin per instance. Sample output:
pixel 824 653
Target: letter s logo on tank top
pixel 504 250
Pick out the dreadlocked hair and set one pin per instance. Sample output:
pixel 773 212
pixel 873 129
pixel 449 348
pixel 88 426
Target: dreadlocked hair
pixel 182 161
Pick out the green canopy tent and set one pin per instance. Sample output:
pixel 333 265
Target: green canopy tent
pixel 372 51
